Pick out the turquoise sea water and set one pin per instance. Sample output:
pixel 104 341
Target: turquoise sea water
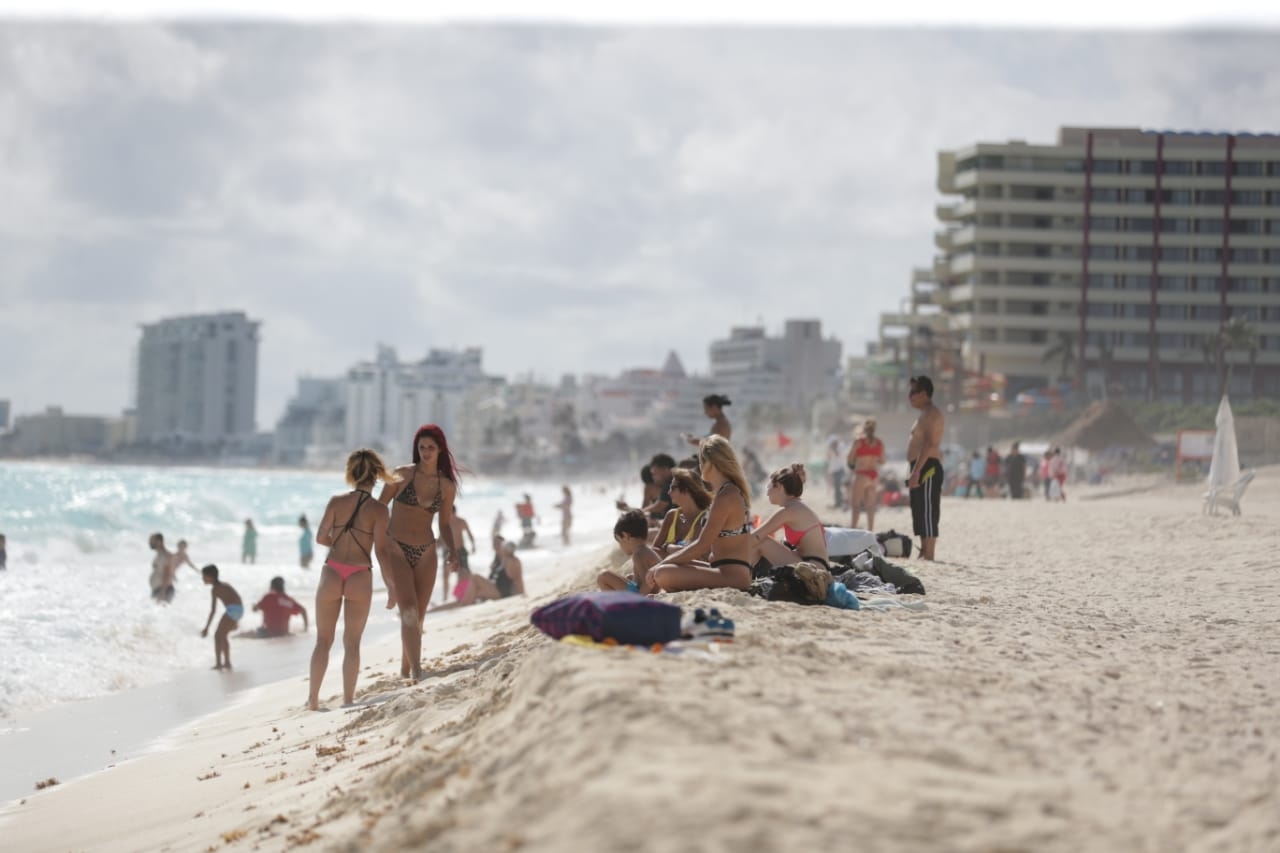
pixel 76 618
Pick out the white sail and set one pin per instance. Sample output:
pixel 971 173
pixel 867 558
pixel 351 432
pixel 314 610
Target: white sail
pixel 1224 470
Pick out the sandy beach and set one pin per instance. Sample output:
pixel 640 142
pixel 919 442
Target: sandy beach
pixel 1101 674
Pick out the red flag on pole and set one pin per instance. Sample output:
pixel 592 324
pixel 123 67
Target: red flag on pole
pixel 783 439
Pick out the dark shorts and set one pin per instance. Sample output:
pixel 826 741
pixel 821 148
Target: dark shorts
pixel 926 500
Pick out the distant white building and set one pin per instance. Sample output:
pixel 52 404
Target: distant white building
pixel 197 380
pixel 312 430
pixel 387 400
pixel 792 371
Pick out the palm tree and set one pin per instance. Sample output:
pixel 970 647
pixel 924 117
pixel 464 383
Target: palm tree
pixel 1236 335
pixel 1063 350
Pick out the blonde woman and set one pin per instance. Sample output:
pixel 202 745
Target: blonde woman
pixel 802 530
pixel 865 458
pixel 422 493
pixel 684 521
pixel 722 553
pixel 346 579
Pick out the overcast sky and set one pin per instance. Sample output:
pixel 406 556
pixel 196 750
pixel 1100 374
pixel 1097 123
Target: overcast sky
pixel 570 198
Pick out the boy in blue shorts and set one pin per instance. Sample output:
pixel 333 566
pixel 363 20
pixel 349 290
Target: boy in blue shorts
pixel 632 535
pixel 233 612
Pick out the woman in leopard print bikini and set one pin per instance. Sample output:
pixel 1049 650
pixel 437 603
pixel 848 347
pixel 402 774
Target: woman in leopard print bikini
pixel 425 493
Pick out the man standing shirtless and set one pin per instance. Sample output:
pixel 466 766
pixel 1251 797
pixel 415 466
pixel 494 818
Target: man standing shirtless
pixel 924 450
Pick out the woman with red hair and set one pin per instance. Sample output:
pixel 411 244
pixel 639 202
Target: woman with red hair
pixel 424 493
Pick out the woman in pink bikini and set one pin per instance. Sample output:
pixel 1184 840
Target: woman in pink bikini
pixel 423 493
pixel 865 458
pixel 353 526
pixel 802 530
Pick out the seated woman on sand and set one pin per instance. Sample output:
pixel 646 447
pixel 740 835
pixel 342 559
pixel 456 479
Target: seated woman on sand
pixel 469 589
pixel 684 521
pixel 802 530
pixel 725 542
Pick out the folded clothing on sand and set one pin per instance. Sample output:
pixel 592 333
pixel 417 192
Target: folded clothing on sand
pixel 626 617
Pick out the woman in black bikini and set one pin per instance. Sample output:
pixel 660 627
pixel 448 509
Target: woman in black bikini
pixel 346 579
pixel 725 541
pixel 425 492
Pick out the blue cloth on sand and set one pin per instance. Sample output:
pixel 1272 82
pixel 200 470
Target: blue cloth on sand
pixel 838 595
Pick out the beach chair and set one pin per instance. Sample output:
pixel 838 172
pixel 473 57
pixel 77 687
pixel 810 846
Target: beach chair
pixel 1228 497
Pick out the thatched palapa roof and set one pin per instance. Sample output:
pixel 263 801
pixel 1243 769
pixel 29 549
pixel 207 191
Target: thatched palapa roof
pixel 1104 424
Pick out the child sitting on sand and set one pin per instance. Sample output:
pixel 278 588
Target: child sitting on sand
pixel 233 609
pixel 632 535
pixel 277 606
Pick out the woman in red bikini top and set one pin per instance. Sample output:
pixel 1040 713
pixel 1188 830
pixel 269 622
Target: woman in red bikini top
pixel 346 579
pixel 865 458
pixel 802 530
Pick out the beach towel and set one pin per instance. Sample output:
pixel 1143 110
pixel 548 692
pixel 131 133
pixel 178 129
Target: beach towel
pixel 626 617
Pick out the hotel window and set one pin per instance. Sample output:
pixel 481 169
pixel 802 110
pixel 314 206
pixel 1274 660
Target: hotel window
pixel 1173 283
pixel 1179 167
pixel 1205 284
pixel 1104 194
pixel 1210 197
pixel 1244 256
pixel 1072 166
pixel 1168 341
pixel 1101 309
pixel 1249 198
pixel 1206 312
pixel 1244 284
pixel 1249 168
pixel 1177 196
pixel 1175 226
pixel 1104 223
pixel 1211 167
pixel 1171 312
pixel 1102 282
pixel 1175 253
pixel 1246 226
pixel 1248 313
pixel 1137 253
pixel 1208 226
pixel 1108 167
pixel 1142 225
pixel 1208 253
pixel 1102 253
pixel 1137 282
pixel 1143 167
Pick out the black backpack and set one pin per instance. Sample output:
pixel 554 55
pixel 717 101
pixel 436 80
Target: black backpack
pixel 895 544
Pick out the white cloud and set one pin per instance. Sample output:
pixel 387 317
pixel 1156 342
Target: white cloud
pixel 567 198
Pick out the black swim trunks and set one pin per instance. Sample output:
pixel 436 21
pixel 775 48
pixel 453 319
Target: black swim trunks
pixel 926 500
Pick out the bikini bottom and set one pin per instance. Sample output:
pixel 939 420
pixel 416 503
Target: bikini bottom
pixel 413 553
pixel 345 571
pixel 729 561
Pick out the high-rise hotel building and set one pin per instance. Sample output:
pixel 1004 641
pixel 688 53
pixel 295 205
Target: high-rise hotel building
pixel 1134 246
pixel 198 380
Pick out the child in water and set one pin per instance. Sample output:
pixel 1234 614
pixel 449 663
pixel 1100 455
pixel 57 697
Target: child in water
pixel 233 609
